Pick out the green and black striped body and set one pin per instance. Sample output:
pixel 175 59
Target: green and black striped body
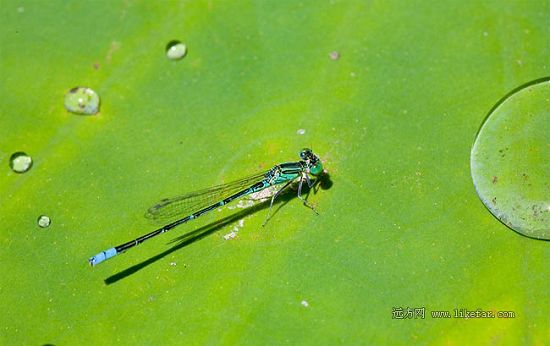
pixel 279 174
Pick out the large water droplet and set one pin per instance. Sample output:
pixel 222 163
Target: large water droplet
pixel 44 221
pixel 175 50
pixel 20 162
pixel 82 100
pixel 510 160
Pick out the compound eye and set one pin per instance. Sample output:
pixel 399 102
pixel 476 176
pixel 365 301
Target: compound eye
pixel 305 154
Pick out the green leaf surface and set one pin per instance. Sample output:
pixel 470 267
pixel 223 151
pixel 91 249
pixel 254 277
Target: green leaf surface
pixel 393 119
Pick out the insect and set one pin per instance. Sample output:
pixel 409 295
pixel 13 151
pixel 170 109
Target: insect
pixel 198 203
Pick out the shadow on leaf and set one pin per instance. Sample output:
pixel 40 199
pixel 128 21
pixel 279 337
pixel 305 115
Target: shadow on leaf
pixel 182 241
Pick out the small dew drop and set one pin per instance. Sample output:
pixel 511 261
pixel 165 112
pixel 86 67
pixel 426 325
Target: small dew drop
pixel 44 221
pixel 175 50
pixel 20 162
pixel 82 100
pixel 334 55
pixel 301 132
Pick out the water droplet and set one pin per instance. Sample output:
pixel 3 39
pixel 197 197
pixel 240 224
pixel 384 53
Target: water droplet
pixel 20 162
pixel 44 221
pixel 301 132
pixel 510 160
pixel 334 55
pixel 82 100
pixel 175 50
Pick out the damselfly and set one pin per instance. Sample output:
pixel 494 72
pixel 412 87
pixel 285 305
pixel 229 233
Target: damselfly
pixel 195 204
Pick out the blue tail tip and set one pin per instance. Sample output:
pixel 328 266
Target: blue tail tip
pixel 102 256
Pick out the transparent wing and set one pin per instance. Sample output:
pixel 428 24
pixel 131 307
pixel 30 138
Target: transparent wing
pixel 181 206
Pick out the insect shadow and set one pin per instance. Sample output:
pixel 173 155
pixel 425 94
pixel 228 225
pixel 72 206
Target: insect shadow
pixel 323 182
